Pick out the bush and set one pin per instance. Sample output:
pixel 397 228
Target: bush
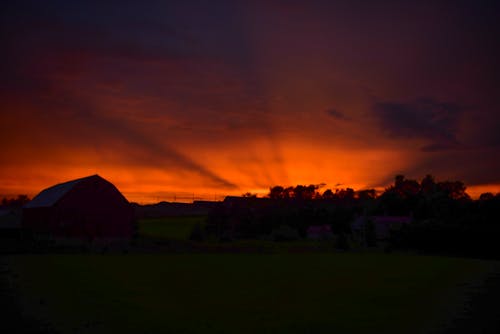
pixel 370 234
pixel 342 242
pixel 197 234
pixel 285 233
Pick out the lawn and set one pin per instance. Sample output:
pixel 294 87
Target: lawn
pixel 242 293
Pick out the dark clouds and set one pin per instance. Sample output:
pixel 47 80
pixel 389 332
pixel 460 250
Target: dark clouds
pixel 456 142
pixel 475 166
pixel 204 89
pixel 433 121
pixel 336 114
pixel 65 119
pixel 73 59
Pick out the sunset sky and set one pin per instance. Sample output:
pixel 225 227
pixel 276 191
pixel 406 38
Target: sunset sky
pixel 174 98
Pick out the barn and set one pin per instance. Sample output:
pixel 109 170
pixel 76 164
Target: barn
pixel 90 208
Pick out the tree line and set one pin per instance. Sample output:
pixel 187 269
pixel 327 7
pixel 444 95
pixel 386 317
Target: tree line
pixel 444 217
pixel 15 202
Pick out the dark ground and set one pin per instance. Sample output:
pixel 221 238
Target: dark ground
pixel 14 320
pixel 479 313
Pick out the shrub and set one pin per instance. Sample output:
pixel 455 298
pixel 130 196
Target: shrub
pixel 370 234
pixel 342 242
pixel 197 234
pixel 285 233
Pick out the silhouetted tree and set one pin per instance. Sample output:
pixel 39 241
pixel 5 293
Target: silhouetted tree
pixel 406 188
pixel 445 219
pixel 301 192
pixel 276 192
pixel 453 189
pixel 486 196
pixel 428 186
pixel 19 201
pixel 367 194
pixel 345 194
pixel 328 194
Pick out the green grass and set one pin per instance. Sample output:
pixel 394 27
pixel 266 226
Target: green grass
pixel 170 227
pixel 245 293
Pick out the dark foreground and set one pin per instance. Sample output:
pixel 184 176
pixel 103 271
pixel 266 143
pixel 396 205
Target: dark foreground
pixel 248 293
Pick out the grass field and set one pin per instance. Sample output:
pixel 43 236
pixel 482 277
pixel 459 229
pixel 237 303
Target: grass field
pixel 241 293
pixel 169 227
pixel 180 228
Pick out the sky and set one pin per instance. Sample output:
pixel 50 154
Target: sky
pixel 175 100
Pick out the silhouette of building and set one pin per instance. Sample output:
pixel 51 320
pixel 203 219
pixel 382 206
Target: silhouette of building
pixel 89 208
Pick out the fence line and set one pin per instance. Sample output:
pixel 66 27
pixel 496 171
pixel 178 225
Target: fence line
pixel 181 197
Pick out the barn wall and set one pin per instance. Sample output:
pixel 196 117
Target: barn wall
pixel 93 209
pixel 38 220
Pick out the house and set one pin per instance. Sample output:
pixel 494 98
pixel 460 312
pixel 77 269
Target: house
pixel 383 225
pixel 318 232
pixel 87 208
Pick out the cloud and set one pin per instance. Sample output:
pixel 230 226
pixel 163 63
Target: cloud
pixel 94 84
pixel 156 153
pixel 477 166
pixel 433 121
pixel 336 114
pixel 70 121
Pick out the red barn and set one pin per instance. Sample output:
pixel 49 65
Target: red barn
pixel 90 207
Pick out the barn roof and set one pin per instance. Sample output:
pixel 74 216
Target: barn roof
pixel 50 196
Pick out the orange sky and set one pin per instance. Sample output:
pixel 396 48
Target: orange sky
pixel 184 102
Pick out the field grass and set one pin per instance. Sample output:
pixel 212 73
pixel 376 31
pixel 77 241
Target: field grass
pixel 169 227
pixel 180 228
pixel 242 293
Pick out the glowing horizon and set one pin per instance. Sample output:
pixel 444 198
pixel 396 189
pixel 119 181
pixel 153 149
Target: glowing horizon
pixel 147 195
